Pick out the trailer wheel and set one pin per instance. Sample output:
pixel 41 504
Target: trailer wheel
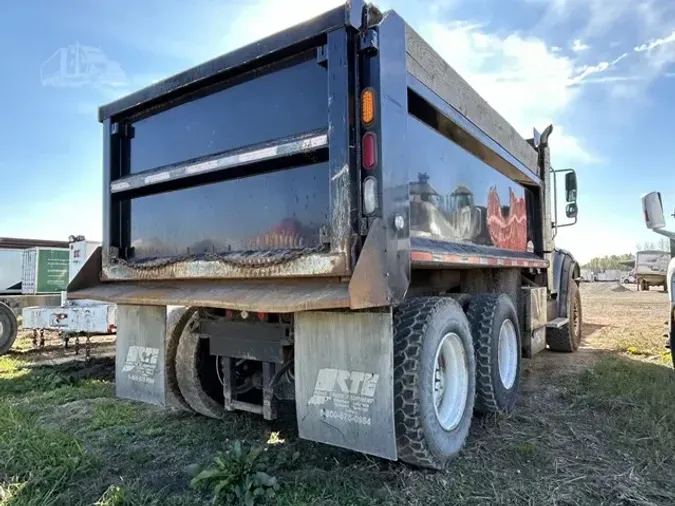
pixel 568 337
pixel 197 374
pixel 496 340
pixel 176 320
pixel 8 328
pixel 434 380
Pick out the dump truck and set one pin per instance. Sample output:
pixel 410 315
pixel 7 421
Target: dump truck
pixel 651 268
pixel 334 218
pixel 652 209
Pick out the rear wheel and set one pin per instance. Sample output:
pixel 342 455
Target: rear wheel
pixel 496 339
pixel 177 319
pixel 434 380
pixel 197 372
pixel 8 328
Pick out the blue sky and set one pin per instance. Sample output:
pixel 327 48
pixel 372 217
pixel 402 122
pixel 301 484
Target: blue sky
pixel 603 72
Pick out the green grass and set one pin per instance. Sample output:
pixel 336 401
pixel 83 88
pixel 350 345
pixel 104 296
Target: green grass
pixel 604 436
pixel 38 464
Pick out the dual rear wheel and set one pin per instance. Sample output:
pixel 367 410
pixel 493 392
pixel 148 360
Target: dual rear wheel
pixel 448 363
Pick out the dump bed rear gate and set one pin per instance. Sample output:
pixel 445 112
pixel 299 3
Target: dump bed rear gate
pixel 240 171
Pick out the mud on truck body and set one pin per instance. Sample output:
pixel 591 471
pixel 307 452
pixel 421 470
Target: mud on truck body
pixel 344 223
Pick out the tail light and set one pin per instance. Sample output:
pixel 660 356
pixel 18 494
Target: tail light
pixel 370 200
pixel 369 150
pixel 368 106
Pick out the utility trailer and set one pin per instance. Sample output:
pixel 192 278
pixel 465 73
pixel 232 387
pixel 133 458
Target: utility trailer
pixel 651 269
pixel 344 223
pixel 15 278
pixel 76 318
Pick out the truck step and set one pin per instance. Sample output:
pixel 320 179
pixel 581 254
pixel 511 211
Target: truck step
pixel 557 323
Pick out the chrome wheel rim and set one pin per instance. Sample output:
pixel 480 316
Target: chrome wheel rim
pixel 508 354
pixel 451 381
pixel 2 329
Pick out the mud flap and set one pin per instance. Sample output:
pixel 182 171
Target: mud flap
pixel 344 380
pixel 140 354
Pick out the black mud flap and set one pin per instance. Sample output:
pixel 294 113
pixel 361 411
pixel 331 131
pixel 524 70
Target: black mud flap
pixel 344 380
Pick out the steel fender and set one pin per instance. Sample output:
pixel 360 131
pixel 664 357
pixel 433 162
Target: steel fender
pixel 564 264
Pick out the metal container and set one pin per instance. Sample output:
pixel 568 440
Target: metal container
pixel 45 270
pixel 10 270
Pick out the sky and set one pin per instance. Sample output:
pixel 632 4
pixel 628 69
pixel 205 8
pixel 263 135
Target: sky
pixel 601 71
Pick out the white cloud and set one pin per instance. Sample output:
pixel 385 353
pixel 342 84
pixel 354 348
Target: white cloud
pixel 578 46
pixel 653 44
pixel 526 81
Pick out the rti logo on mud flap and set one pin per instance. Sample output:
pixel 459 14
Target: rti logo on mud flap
pixel 141 364
pixel 337 383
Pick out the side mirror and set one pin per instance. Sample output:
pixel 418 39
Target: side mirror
pixel 571 188
pixel 652 206
pixel 571 210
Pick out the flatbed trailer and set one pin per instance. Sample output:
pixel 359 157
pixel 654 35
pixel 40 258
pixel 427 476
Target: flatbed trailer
pixel 342 222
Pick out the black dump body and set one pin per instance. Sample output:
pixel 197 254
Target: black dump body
pixel 252 167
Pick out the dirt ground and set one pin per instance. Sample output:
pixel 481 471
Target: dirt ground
pixel 596 427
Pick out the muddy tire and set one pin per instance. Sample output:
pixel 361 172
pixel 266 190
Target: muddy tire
pixel 8 328
pixel 196 372
pixel 568 337
pixel 176 320
pixel 432 343
pixel 497 344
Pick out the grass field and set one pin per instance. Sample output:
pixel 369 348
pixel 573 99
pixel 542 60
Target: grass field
pixel 593 428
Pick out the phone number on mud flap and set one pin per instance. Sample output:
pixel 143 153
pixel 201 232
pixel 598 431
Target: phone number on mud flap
pixel 347 417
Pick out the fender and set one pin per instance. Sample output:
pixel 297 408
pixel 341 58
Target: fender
pixel 671 295
pixel 564 263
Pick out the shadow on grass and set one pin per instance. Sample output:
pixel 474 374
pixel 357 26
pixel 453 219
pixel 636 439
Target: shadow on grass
pixel 23 379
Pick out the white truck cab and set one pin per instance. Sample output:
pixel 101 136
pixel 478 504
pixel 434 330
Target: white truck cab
pixel 652 207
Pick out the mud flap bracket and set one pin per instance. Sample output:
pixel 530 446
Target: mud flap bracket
pixel 344 380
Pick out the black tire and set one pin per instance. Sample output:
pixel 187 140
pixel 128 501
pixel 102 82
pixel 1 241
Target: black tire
pixel 462 299
pixel 568 337
pixel 176 320
pixel 420 326
pixel 487 312
pixel 8 328
pixel 196 372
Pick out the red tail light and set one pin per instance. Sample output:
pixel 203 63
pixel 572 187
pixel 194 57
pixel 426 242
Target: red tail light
pixel 369 150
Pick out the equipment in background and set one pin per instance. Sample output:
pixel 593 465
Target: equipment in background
pixel 77 318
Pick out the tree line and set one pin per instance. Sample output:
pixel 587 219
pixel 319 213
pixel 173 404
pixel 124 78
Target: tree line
pixel 611 262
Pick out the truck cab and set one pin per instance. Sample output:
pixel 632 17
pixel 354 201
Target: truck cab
pixel 652 208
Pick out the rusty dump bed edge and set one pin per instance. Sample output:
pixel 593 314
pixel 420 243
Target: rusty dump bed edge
pixel 288 295
pixel 277 297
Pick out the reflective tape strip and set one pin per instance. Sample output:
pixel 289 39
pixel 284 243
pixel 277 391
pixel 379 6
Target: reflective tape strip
pixel 287 148
pixel 427 257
